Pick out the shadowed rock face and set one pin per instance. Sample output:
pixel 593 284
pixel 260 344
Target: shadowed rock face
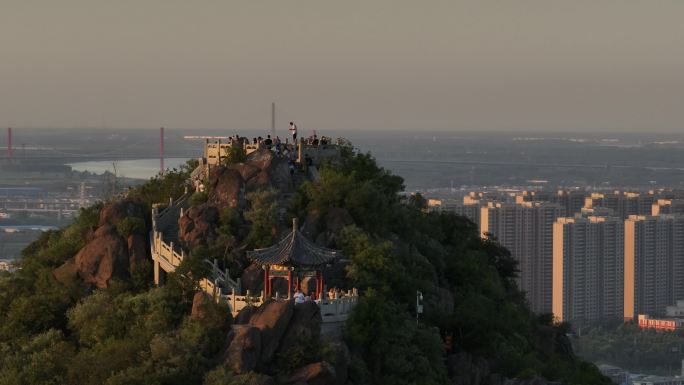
pixel 305 325
pixel 227 188
pixel 264 170
pixel 245 315
pixel 272 318
pixel 115 212
pixel 246 170
pixel 198 225
pixel 245 349
pixel 272 329
pixel 319 373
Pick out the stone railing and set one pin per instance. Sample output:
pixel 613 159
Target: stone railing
pixel 338 309
pixel 332 310
pixel 162 220
pixel 219 280
pixel 238 302
pixel 318 152
pixel 165 254
pixel 200 172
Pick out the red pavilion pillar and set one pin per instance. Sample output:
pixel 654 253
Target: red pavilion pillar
pixel 267 283
pixel 319 284
pixel 289 284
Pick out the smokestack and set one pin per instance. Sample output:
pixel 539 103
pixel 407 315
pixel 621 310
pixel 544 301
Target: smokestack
pixel 9 143
pixel 161 150
pixel 273 120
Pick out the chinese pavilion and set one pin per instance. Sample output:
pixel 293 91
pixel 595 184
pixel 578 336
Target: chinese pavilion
pixel 293 258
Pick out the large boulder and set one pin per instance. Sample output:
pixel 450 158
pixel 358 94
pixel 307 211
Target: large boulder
pixel 274 172
pixel 305 325
pixel 105 257
pixel 198 225
pixel 260 182
pixel 246 170
pixel 245 315
pixel 107 254
pixel 227 187
pixel 115 212
pixel 319 373
pixel 261 159
pixel 272 319
pixel 245 348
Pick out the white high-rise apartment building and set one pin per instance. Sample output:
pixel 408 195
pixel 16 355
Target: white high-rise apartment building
pixel 654 264
pixel 588 269
pixel 526 229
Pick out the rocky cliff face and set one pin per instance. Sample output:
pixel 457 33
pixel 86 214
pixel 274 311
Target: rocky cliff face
pixel 261 171
pixel 108 254
pixel 228 187
pixel 273 329
pixel 198 225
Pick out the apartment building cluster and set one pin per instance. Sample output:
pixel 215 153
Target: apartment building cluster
pixel 587 257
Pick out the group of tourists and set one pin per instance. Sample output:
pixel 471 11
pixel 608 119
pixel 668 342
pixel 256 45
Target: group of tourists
pixel 300 297
pixel 313 140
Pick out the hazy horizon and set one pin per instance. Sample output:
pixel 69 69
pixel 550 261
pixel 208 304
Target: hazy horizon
pixel 466 66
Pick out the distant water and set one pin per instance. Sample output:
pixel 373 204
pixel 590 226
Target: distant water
pixel 133 168
pixel 11 228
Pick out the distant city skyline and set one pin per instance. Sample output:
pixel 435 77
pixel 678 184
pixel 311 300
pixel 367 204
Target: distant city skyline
pixel 538 66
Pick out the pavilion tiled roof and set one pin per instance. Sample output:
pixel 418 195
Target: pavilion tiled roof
pixel 293 250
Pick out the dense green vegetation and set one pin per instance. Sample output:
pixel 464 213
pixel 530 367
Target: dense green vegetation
pixel 633 349
pixel 131 333
pixel 396 248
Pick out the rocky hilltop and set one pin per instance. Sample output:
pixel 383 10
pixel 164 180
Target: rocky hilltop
pixel 83 309
pixel 113 249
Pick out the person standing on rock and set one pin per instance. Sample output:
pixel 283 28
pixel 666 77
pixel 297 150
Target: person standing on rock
pixel 293 131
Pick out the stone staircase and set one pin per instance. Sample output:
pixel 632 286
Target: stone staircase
pixel 167 253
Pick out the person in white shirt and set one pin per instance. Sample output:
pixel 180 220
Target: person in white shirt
pixel 293 131
pixel 298 296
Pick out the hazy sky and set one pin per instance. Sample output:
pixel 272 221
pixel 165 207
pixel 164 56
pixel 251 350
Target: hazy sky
pixel 392 64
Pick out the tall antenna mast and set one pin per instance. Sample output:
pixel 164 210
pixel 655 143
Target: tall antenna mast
pixel 9 143
pixel 161 149
pixel 273 119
